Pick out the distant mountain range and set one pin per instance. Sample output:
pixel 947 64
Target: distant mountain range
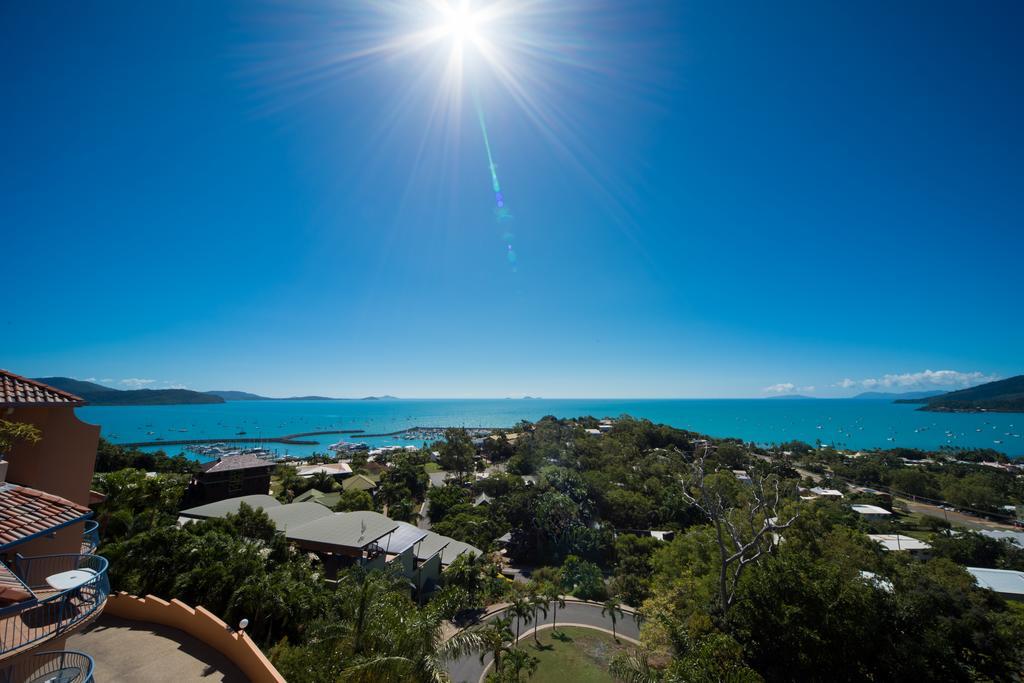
pixel 1005 396
pixel 246 396
pixel 905 396
pixel 99 395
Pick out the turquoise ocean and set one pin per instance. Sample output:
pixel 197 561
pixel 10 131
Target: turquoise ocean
pixel 856 424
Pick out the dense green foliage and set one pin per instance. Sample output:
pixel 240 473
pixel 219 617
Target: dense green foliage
pixel 811 597
pixel 111 458
pixel 17 432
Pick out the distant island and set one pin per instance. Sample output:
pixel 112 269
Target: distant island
pixel 99 395
pixel 1003 396
pixel 246 396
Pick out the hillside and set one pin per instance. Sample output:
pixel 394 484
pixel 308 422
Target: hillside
pixel 1005 395
pixel 99 395
pixel 238 396
pixel 904 396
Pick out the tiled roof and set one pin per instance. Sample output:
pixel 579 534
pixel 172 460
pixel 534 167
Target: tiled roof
pixel 236 462
pixel 16 390
pixel 25 512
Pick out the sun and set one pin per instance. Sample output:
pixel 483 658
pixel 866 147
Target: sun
pixel 461 24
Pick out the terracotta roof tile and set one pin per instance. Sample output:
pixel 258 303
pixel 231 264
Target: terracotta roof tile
pixel 16 390
pixel 25 511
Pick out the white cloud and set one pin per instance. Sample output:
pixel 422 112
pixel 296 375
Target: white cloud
pixel 174 385
pixel 107 380
pixel 781 388
pixel 926 379
pixel 808 388
pixel 137 383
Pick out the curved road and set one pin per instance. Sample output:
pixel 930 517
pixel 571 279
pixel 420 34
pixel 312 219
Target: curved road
pixel 587 614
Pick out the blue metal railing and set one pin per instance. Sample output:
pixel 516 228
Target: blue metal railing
pixel 90 537
pixel 66 666
pixel 52 612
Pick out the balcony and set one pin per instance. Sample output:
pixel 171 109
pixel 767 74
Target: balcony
pixel 47 596
pixel 90 537
pixel 63 666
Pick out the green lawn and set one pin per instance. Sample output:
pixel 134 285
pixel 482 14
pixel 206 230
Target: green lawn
pixel 582 657
pixel 431 467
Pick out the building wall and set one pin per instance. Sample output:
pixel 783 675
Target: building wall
pixel 63 461
pixel 202 625
pixel 429 571
pixel 210 488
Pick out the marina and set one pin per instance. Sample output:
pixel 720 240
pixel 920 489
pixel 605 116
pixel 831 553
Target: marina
pixel 303 428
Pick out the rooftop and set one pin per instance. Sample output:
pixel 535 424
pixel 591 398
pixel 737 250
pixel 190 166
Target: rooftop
pixel 1005 581
pixel 26 512
pixel 899 542
pixel 333 468
pixel 359 482
pixel 311 522
pixel 870 510
pixel 345 529
pixel 294 515
pixel 16 390
pixel 243 461
pixel 1012 536
pixel 222 508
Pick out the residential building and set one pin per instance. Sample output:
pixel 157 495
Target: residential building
pixel 1005 582
pixel 900 543
pixel 51 583
pixel 1016 537
pixel 334 469
pixel 229 477
pixel 872 513
pixel 344 539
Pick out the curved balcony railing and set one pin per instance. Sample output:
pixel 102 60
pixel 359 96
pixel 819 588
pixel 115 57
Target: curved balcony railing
pixel 90 537
pixel 66 590
pixel 63 666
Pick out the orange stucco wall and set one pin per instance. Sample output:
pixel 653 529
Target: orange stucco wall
pixel 63 460
pixel 200 624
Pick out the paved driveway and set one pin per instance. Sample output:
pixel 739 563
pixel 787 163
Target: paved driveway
pixel 469 669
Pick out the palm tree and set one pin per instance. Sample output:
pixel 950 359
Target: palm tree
pixel 520 659
pixel 497 639
pixel 554 596
pixel 613 610
pixel 539 602
pixel 393 641
pixel 521 608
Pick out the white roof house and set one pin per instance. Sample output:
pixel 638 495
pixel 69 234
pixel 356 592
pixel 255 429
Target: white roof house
pixel 831 493
pixel 1012 536
pixel 899 542
pixel 595 432
pixel 870 511
pixel 332 468
pixel 1005 582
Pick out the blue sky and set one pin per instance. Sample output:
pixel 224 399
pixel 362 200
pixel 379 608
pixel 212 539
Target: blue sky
pixel 708 199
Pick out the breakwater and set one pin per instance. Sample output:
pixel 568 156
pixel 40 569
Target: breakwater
pixel 290 439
